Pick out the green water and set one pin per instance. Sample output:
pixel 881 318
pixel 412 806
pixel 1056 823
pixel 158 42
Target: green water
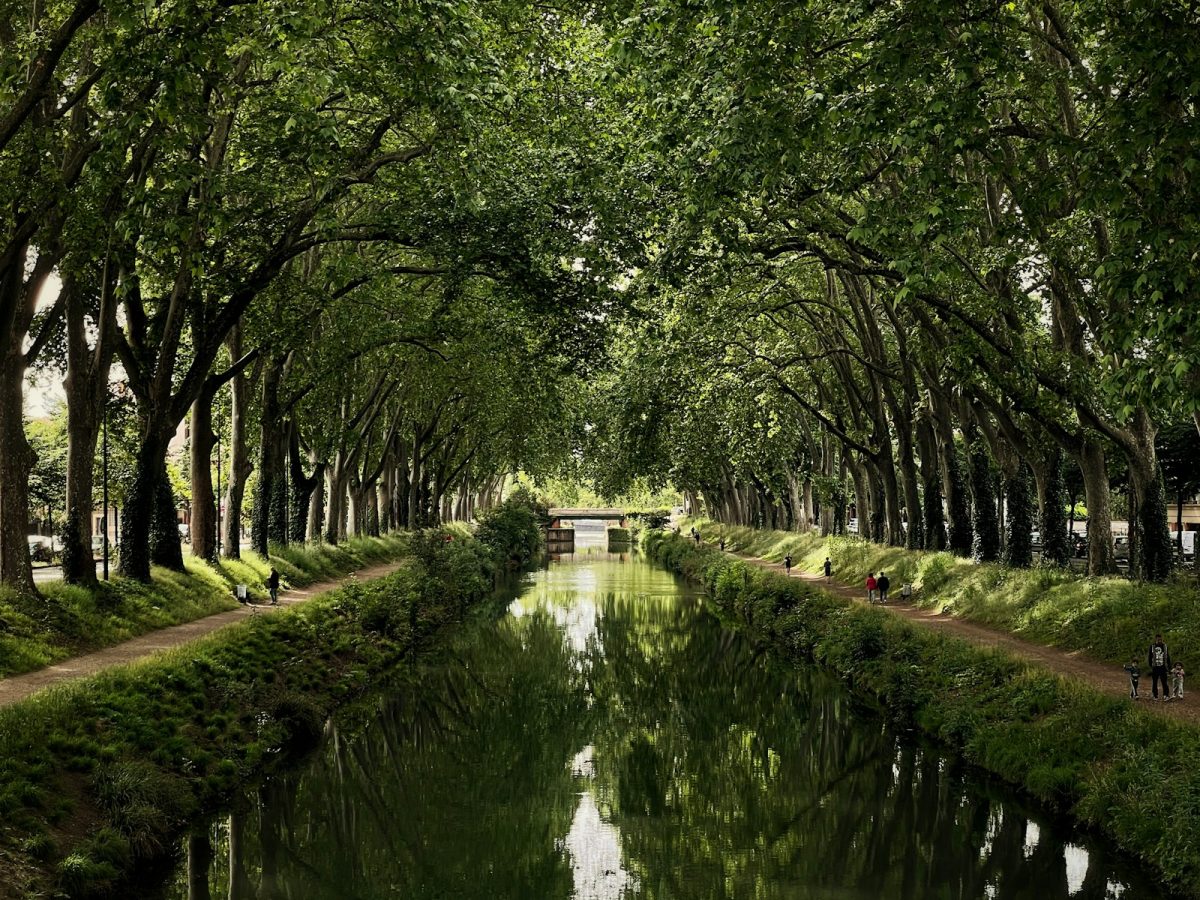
pixel 609 738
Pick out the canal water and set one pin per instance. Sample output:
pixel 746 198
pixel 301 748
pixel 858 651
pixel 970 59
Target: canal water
pixel 610 738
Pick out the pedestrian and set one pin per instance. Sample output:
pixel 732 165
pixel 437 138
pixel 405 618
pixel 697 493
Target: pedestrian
pixel 1134 674
pixel 883 583
pixel 1158 658
pixel 871 585
pixel 828 569
pixel 722 545
pixel 696 535
pixel 1177 674
pixel 273 585
pixel 787 564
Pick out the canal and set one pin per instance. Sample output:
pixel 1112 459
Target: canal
pixel 609 737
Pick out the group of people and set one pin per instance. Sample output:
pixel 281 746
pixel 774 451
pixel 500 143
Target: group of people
pixel 1158 661
pixel 877 588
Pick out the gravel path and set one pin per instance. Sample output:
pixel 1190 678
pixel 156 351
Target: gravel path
pixel 1104 677
pixel 19 687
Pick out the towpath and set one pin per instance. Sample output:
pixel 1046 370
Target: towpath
pixel 1104 677
pixel 19 687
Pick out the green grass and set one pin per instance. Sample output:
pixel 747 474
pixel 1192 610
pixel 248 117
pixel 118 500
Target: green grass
pixel 70 620
pixel 100 775
pixel 1111 619
pixel 1110 764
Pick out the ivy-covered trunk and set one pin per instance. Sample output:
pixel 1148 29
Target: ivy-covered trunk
pixel 986 545
pixel 1056 542
pixel 1018 544
pixel 16 462
pixel 149 528
pixel 1151 555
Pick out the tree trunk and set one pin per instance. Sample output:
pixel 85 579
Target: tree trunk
pixel 1150 553
pixel 270 494
pixel 149 521
pixel 1101 558
pixel 985 524
pixel 239 457
pixel 931 482
pixel 16 462
pixel 1055 532
pixel 316 514
pixel 1018 547
pixel 204 505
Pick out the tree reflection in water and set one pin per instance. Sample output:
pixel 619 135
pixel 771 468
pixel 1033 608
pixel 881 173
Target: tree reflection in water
pixel 611 738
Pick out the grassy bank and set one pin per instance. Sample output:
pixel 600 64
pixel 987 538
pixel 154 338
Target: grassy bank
pixel 68 621
pixel 102 774
pixel 1111 619
pixel 1109 764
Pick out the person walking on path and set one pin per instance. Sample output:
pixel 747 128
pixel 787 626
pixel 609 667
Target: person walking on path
pixel 273 585
pixel 722 545
pixel 828 570
pixel 787 564
pixel 883 583
pixel 1177 674
pixel 871 585
pixel 1134 674
pixel 1158 658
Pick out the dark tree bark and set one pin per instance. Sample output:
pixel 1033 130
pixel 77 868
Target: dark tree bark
pixel 1101 557
pixel 1018 546
pixel 239 456
pixel 204 498
pixel 986 545
pixel 1056 542
pixel 931 483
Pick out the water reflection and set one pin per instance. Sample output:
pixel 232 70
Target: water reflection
pixel 611 739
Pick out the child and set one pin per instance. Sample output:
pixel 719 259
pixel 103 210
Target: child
pixel 828 570
pixel 1134 673
pixel 787 564
pixel 722 545
pixel 1177 682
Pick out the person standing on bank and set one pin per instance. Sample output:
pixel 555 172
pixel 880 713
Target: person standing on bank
pixel 1158 659
pixel 883 583
pixel 273 585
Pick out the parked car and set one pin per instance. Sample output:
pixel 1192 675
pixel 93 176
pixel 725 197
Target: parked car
pixel 41 548
pixel 1079 545
pixel 1121 547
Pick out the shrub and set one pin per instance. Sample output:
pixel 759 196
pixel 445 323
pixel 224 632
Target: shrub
pixel 512 531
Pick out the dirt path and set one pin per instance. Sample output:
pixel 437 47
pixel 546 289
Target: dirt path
pixel 18 687
pixel 1104 677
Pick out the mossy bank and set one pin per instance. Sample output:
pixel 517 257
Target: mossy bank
pixel 1109 618
pixel 102 775
pixel 1114 767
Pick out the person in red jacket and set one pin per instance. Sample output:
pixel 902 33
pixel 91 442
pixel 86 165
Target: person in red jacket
pixel 871 585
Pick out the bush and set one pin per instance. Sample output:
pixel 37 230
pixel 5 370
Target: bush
pixel 512 531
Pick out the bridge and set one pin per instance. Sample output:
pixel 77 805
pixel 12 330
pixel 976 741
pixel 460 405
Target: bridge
pixel 557 516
